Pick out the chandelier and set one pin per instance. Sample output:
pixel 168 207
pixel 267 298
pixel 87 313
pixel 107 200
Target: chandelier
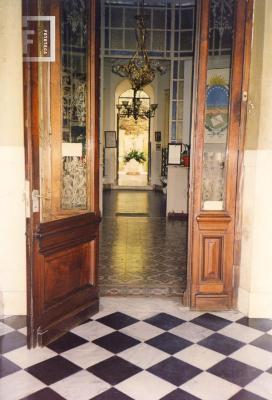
pixel 140 71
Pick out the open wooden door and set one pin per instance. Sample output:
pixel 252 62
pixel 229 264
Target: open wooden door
pixel 62 168
pixel 216 141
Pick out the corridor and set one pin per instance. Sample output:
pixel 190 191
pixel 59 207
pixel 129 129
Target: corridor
pixel 141 252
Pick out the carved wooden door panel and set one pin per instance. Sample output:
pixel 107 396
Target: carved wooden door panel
pixel 61 131
pixel 215 146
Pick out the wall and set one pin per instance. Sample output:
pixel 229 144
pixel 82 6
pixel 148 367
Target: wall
pixel 255 292
pixel 12 234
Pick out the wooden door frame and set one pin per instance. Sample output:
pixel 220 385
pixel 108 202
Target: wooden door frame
pixel 198 112
pixel 34 229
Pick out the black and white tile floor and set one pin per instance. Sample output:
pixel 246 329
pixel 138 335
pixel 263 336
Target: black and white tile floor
pixel 142 349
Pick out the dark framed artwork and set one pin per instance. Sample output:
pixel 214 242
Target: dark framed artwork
pixel 174 153
pixel 110 139
pixel 158 136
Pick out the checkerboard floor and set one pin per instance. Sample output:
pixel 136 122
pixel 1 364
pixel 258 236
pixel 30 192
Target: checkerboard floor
pixel 142 349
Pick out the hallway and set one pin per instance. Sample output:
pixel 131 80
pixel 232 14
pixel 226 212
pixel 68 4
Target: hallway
pixel 142 349
pixel 141 252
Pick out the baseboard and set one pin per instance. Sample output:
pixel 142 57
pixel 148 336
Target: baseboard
pixel 179 216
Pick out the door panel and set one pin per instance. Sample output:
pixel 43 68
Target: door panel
pixel 215 145
pixel 62 168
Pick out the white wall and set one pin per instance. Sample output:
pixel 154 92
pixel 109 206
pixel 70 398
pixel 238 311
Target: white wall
pixel 12 212
pixel 255 291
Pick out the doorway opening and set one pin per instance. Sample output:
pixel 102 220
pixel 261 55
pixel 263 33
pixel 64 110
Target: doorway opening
pixel 144 199
pixel 133 150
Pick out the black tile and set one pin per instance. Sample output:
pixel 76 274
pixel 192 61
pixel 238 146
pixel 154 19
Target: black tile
pixel 44 394
pixel 66 342
pixel 7 367
pixel 116 342
pixel 245 395
pixel 262 324
pixel 270 370
pixel 114 370
pixel 112 394
pixel 117 320
pixel 11 341
pixel 211 321
pixel 174 371
pixel 264 342
pixel 180 395
pixel 164 321
pixel 169 343
pixel 16 321
pixel 235 372
pixel 221 343
pixel 53 370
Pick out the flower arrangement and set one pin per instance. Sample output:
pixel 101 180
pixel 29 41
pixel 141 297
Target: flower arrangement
pixel 135 155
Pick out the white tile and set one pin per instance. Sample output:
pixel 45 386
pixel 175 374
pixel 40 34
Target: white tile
pixel 142 331
pixel 92 330
pixel 25 357
pixel 199 356
pixel 241 332
pixel 191 332
pixel 4 329
pixel 23 330
pixel 210 387
pixel 19 385
pixel 80 386
pixel 87 355
pixel 262 386
pixel 254 356
pixel 145 386
pixel 143 355
pixel 230 315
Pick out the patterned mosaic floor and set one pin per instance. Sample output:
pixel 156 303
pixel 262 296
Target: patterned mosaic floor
pixel 142 349
pixel 141 255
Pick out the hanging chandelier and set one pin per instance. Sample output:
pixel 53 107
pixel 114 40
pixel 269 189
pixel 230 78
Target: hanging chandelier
pixel 140 71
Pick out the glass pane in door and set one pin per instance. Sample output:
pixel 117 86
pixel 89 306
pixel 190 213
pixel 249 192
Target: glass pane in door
pixel 221 30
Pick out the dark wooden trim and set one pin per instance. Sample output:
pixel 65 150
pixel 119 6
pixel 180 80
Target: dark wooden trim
pixel 178 216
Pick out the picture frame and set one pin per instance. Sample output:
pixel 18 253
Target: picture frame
pixel 110 139
pixel 174 154
pixel 157 136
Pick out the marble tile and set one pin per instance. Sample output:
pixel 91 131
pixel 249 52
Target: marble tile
pixel 86 355
pixel 210 387
pixel 25 357
pixel 145 386
pixel 191 332
pixel 142 331
pixel 93 330
pixel 18 385
pixel 143 355
pixel 254 356
pixel 80 386
pixel 262 386
pixel 241 332
pixel 199 356
pixel 4 329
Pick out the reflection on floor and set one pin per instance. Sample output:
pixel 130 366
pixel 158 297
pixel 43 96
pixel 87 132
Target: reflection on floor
pixel 142 349
pixel 132 180
pixel 141 252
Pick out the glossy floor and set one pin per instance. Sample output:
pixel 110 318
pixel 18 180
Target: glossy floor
pixel 142 349
pixel 141 252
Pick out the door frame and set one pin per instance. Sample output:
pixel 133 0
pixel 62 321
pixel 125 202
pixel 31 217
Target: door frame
pixel 197 123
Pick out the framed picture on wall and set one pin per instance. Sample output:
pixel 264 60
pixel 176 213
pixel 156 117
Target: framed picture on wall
pixel 174 154
pixel 110 139
pixel 157 136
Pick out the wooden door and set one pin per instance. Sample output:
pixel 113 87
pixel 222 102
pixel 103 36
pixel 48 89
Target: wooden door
pixel 62 170
pixel 216 141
